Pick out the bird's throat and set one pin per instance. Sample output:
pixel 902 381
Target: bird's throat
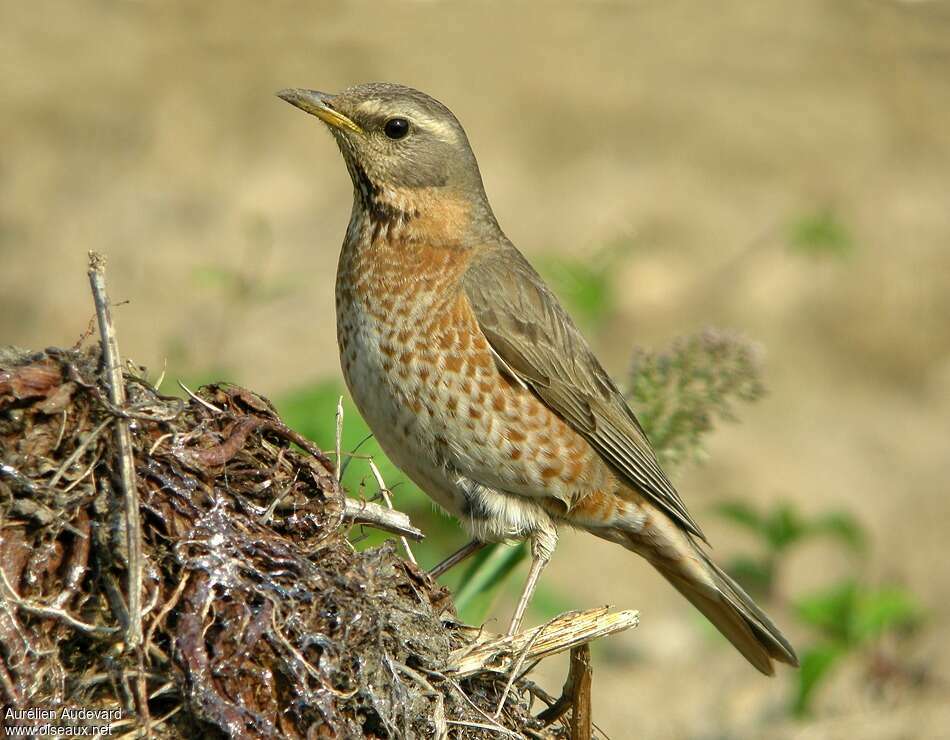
pixel 400 215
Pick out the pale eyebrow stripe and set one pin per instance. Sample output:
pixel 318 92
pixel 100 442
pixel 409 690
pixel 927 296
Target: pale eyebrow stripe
pixel 441 129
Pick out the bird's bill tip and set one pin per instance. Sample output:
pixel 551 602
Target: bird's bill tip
pixel 317 104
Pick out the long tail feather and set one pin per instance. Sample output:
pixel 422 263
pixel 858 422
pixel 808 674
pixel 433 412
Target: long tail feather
pixel 730 609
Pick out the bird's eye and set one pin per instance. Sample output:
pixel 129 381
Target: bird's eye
pixel 396 128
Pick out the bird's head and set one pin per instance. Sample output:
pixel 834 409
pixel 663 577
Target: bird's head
pixel 396 139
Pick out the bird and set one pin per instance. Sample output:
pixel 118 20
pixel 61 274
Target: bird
pixel 474 379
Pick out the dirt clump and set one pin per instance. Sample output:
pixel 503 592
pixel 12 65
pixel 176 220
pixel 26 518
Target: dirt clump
pixel 260 619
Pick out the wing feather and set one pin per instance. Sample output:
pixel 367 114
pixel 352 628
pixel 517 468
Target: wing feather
pixel 535 340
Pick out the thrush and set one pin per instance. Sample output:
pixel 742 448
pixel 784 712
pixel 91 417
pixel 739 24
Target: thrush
pixel 475 380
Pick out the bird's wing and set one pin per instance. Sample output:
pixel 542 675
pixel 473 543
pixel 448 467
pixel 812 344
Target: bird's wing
pixel 537 342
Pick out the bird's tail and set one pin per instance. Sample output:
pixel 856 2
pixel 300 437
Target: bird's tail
pixel 727 606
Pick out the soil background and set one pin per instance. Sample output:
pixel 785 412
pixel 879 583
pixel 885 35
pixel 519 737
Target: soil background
pixel 697 132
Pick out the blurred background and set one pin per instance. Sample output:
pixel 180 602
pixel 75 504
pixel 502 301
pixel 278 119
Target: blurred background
pixel 777 169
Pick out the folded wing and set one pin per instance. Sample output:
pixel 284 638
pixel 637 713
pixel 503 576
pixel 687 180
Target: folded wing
pixel 538 344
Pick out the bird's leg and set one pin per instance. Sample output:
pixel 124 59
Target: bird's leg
pixel 543 543
pixel 537 565
pixel 456 557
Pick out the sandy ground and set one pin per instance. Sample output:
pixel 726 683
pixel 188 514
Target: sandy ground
pixel 697 131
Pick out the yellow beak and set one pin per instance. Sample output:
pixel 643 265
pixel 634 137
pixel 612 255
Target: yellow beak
pixel 316 103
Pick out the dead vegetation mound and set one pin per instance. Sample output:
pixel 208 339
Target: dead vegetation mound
pixel 259 619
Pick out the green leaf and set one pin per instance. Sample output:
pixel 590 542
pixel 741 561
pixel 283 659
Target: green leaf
pixel 820 234
pixel 816 663
pixel 831 611
pixel 213 276
pixel 585 288
pixel 742 514
pixel 491 567
pixel 548 602
pixel 784 527
pixel 586 284
pixel 755 575
pixel 854 615
pixel 842 526
pixel 312 412
pixel 884 610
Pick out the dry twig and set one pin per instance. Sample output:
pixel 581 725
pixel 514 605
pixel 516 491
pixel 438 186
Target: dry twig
pixel 384 492
pixel 339 438
pixel 388 520
pixel 497 654
pixel 126 463
pixel 575 696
